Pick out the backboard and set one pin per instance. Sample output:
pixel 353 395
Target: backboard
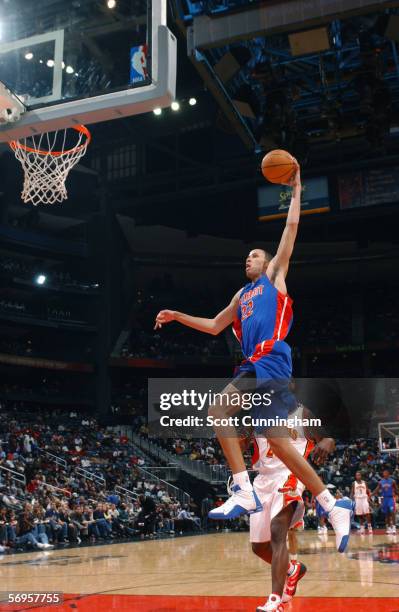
pixel 83 61
pixel 388 437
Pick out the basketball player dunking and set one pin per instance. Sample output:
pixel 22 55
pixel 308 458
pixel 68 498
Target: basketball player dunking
pixel 261 314
pixel 360 494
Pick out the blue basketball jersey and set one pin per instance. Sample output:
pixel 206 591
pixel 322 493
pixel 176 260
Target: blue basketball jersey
pixel 264 318
pixel 386 486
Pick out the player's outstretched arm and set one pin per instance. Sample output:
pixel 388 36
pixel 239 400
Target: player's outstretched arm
pixel 278 266
pixel 209 326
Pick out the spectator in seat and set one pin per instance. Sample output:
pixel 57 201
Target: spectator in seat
pixel 184 514
pixel 26 530
pixel 90 521
pixel 65 516
pixel 103 522
pixel 58 526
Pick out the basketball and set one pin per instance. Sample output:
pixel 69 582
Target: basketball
pixel 278 166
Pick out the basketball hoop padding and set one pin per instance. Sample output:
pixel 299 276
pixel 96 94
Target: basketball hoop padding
pixel 45 168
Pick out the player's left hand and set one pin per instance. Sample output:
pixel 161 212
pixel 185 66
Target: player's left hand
pixel 325 447
pixel 163 317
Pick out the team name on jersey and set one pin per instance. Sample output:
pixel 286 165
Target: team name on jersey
pixel 248 295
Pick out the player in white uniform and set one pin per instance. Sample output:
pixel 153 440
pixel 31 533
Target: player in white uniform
pixel 360 494
pixel 281 496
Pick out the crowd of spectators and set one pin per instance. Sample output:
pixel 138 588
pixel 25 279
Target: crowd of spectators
pixel 46 501
pixel 207 450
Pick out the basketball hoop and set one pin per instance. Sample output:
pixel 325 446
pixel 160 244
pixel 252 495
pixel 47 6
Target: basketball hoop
pixel 46 160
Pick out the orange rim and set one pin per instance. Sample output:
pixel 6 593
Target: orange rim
pixel 15 144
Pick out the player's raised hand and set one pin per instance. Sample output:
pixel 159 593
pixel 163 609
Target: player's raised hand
pixel 163 317
pixel 295 180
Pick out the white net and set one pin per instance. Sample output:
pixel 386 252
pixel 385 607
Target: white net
pixel 46 160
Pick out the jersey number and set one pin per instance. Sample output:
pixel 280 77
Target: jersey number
pixel 247 310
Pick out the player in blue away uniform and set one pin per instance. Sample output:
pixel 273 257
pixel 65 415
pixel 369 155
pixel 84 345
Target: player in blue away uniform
pixel 388 490
pixel 261 314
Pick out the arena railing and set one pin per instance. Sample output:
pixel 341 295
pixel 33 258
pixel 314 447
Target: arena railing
pixel 214 474
pixel 154 450
pixel 56 458
pixel 205 471
pixel 43 484
pixel 126 492
pixel 172 491
pixel 90 475
pixel 165 472
pixel 15 475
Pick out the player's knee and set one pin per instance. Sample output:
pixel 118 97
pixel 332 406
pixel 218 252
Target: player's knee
pixel 216 411
pixel 219 409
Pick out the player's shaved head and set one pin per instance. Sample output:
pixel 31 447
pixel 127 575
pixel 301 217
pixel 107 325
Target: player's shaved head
pixel 257 262
pixel 268 256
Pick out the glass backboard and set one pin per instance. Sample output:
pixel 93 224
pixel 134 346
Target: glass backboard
pixel 81 61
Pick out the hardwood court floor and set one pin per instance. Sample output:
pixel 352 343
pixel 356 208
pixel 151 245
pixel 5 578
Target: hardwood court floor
pixel 211 573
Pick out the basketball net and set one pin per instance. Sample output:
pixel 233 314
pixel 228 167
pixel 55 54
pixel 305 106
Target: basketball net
pixel 45 168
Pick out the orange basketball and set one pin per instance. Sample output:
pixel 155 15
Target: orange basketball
pixel 278 166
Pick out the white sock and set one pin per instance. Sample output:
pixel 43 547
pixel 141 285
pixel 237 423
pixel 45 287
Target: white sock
pixel 293 558
pixel 274 598
pixel 291 567
pixel 242 479
pixel 326 500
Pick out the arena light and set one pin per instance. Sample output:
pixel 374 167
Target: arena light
pixel 175 106
pixel 29 56
pixel 111 4
pixel 50 63
pixel 192 101
pixel 69 70
pixel 157 111
pixel 41 279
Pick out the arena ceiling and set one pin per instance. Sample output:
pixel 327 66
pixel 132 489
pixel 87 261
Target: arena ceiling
pixel 277 92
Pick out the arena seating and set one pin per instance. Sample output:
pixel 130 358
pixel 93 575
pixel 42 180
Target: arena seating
pixel 79 481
